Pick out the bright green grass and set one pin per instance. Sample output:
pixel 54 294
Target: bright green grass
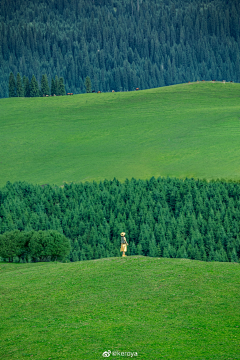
pixel 174 309
pixel 182 131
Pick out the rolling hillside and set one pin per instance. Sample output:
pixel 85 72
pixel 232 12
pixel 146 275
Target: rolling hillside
pixel 189 130
pixel 160 308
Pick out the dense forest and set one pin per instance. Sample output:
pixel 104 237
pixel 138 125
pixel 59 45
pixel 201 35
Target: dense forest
pixel 164 217
pixel 120 44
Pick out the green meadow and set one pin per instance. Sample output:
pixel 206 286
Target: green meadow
pixel 188 130
pixel 160 308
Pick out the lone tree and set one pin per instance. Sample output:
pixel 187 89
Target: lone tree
pixel 61 87
pixel 34 89
pixel 44 85
pixel 88 84
pixel 12 85
pixel 19 86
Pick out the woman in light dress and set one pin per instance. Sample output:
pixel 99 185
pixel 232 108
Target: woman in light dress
pixel 123 244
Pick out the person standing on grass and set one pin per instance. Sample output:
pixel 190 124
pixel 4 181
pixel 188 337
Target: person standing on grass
pixel 123 244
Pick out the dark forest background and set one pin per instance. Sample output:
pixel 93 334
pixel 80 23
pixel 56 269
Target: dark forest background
pixel 120 44
pixel 164 217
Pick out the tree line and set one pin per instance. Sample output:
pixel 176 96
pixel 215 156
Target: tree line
pixel 34 246
pixel 23 88
pixel 164 217
pixel 120 44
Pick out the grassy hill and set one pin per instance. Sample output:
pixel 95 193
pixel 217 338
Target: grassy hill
pixel 189 130
pixel 159 308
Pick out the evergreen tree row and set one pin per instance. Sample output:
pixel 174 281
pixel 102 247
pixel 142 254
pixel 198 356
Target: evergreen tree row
pixel 164 217
pixel 23 88
pixel 120 44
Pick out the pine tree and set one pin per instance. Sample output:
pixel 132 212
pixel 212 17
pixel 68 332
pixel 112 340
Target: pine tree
pixel 61 87
pixel 182 253
pixel 44 86
pixel 190 251
pixel 133 249
pixel 197 254
pixel 56 85
pixel 139 249
pixel 26 87
pixel 34 89
pixel 152 246
pixel 75 256
pixel 234 257
pixel 211 255
pixel 172 251
pixel 12 85
pixel 53 89
pixel 203 253
pixel 159 252
pixel 166 253
pixel 88 84
pixel 223 255
pixel 19 86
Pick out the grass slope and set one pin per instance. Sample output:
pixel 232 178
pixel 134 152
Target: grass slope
pixel 159 308
pixel 183 130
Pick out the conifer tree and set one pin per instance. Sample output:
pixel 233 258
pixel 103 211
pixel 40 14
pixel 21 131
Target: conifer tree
pixel 152 246
pixel 182 253
pixel 190 251
pixel 139 249
pixel 223 255
pixel 34 89
pixel 203 253
pixel 234 257
pixel 159 252
pixel 172 251
pixel 211 255
pixel 44 85
pixel 166 252
pixel 19 86
pixel 75 256
pixel 26 87
pixel 61 87
pixel 56 85
pixel 53 88
pixel 12 85
pixel 133 249
pixel 88 84
pixel 197 255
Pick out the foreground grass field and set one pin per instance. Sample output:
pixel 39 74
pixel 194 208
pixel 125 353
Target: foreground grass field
pixel 189 130
pixel 159 308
